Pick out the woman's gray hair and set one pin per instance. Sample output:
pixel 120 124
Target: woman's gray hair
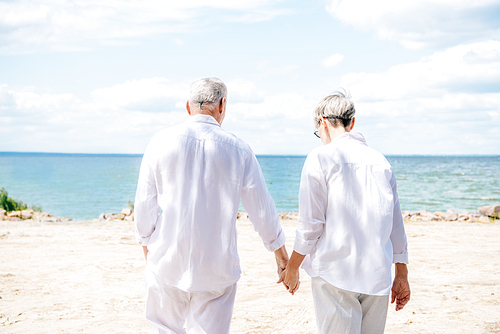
pixel 337 108
pixel 207 91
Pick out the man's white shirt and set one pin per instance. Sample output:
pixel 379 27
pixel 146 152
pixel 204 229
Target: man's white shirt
pixel 191 180
pixel 350 223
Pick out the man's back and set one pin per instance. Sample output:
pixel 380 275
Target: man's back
pixel 197 171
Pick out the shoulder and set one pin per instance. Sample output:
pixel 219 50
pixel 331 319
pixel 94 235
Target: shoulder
pixel 315 160
pixel 230 139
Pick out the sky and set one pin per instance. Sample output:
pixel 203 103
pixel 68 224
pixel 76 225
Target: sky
pixel 102 76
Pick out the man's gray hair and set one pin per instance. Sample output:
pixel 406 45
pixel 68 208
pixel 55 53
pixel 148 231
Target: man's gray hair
pixel 207 91
pixel 337 108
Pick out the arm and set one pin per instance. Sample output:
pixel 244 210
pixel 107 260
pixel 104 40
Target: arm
pixel 145 250
pixel 281 260
pixel 312 203
pixel 400 291
pixel 146 204
pixel 398 234
pixel 260 207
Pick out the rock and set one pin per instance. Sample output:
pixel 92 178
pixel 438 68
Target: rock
pixel 27 214
pixel 490 210
pixel 484 219
pixel 473 217
pixel 130 217
pixel 14 214
pixel 126 212
pixel 14 219
pixel 105 216
pixel 114 216
pixel 288 215
pixel 450 215
pixel 3 213
pixel 242 215
pixel 426 215
pixel 463 216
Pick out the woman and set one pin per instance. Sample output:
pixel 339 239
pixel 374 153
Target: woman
pixel 350 227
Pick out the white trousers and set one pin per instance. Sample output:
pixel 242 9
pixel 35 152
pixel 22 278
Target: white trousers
pixel 168 308
pixel 344 312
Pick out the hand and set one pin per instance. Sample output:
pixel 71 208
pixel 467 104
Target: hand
pixel 290 276
pixel 400 291
pixel 281 261
pixel 145 250
pixel 290 279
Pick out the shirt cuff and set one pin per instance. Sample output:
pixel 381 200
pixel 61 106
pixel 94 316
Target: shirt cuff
pixel 278 243
pixel 400 258
pixel 303 247
pixel 142 241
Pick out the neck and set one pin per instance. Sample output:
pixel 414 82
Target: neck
pixel 207 111
pixel 333 132
pixel 216 111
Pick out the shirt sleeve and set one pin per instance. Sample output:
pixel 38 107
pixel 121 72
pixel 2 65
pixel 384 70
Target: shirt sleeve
pixel 398 235
pixel 313 198
pixel 260 206
pixel 146 207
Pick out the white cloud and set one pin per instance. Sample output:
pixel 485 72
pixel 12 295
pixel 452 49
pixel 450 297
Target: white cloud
pixel 468 68
pixel 333 60
pixel 422 23
pixel 30 121
pixel 28 25
pixel 243 91
pixel 446 103
pixel 154 94
pixel 113 122
pixel 279 124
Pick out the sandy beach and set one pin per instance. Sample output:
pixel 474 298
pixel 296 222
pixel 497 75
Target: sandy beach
pixel 87 277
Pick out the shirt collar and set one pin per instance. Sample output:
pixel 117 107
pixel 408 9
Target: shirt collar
pixel 351 136
pixel 200 118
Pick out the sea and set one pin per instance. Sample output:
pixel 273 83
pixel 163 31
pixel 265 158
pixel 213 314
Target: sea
pixel 82 186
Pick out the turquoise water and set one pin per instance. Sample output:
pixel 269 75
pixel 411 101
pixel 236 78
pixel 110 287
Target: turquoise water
pixel 82 186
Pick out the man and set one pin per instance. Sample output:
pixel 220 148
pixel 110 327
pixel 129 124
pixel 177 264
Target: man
pixel 350 227
pixel 192 178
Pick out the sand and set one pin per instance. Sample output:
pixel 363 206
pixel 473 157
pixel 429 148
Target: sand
pixel 87 277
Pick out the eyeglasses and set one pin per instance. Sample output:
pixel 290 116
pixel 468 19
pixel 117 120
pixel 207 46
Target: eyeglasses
pixel 316 133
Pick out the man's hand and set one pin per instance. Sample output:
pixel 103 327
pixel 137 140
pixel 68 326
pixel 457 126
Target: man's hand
pixel 281 260
pixel 400 292
pixel 290 276
pixel 145 250
pixel 290 279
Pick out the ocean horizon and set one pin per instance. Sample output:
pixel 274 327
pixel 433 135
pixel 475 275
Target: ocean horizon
pixel 83 185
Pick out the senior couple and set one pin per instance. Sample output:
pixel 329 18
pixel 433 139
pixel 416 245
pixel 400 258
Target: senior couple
pixel 350 229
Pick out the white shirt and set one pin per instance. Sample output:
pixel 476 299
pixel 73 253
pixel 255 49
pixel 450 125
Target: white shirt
pixel 350 222
pixel 195 174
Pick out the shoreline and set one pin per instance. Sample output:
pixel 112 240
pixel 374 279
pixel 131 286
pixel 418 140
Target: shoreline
pixel 127 214
pixel 87 276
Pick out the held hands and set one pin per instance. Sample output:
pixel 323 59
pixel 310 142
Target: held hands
pixel 290 279
pixel 290 275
